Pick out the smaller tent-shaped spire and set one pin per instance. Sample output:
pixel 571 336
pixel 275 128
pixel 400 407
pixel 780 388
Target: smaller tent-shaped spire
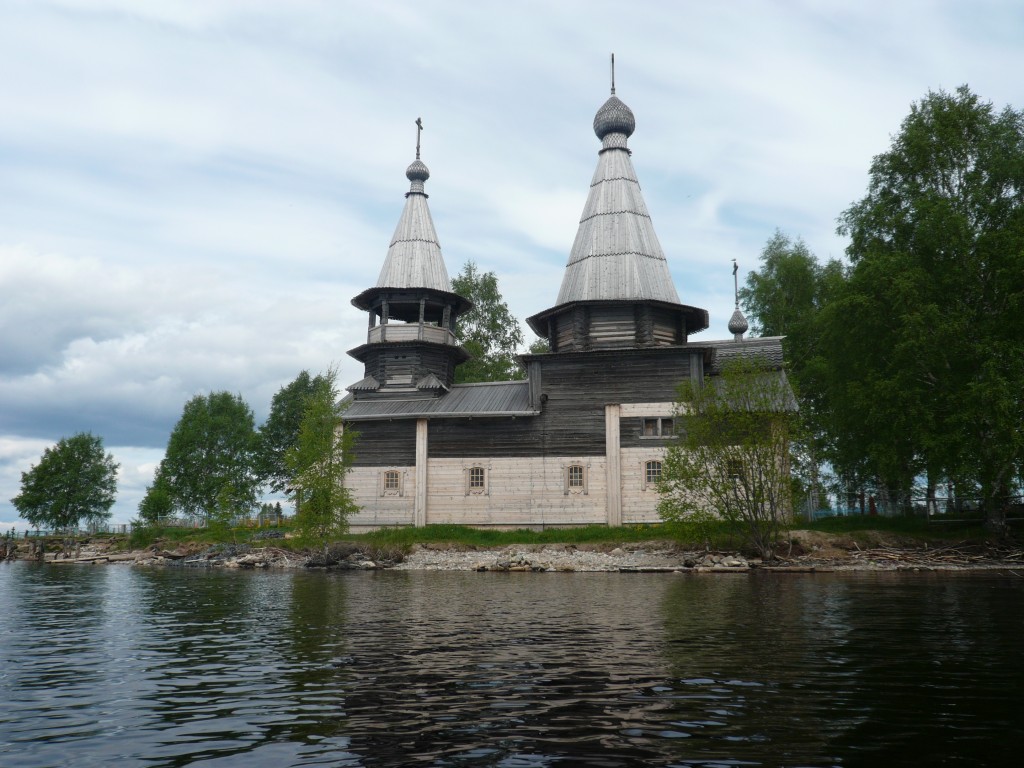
pixel 414 257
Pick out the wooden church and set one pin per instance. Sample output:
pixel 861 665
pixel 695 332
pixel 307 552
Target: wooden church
pixel 580 440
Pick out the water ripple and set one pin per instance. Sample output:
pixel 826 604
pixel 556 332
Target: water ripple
pixel 123 666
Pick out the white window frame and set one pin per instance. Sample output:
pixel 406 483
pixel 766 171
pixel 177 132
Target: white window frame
pixel 478 490
pixel 645 469
pixel 584 478
pixel 399 490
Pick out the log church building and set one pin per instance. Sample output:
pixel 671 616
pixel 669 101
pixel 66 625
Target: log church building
pixel 581 439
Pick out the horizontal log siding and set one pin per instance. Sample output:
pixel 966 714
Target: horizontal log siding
pixel 577 389
pixel 365 484
pixel 409 363
pixel 668 327
pixel 638 505
pixel 521 492
pixel 385 443
pixel 612 327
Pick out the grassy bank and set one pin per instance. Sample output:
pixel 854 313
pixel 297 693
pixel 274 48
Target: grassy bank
pixel 715 535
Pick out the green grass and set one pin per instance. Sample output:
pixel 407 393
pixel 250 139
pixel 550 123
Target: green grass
pixel 716 535
pixel 915 527
pixel 459 535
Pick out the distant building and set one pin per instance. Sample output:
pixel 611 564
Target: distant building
pixel 581 439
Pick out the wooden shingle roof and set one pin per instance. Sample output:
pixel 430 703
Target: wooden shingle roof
pixel 490 399
pixel 414 257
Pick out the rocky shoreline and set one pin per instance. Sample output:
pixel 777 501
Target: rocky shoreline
pixel 804 551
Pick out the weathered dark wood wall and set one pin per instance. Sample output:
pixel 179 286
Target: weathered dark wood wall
pixel 411 362
pixel 385 443
pixel 573 389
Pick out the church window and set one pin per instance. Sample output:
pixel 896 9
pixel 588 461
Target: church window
pixel 476 480
pixel 657 427
pixel 652 473
pixel 575 479
pixel 391 483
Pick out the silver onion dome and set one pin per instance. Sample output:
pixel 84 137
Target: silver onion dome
pixel 614 117
pixel 737 324
pixel 417 171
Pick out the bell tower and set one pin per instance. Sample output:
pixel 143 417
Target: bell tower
pixel 410 346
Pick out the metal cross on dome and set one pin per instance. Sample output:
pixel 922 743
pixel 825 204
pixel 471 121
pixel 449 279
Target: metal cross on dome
pixel 419 130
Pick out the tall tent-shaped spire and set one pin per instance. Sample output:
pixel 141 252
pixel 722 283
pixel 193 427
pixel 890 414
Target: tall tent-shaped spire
pixel 617 290
pixel 413 349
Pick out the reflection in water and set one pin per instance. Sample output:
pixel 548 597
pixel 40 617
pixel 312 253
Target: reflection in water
pixel 124 666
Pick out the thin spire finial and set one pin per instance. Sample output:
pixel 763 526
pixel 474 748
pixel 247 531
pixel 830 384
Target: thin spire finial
pixel 613 74
pixel 736 282
pixel 419 130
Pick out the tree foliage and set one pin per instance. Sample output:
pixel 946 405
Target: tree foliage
pixel 210 461
pixel 158 502
pixel 784 297
pixel 74 481
pixel 488 331
pixel 908 360
pixel 926 322
pixel 281 429
pixel 318 463
pixel 732 458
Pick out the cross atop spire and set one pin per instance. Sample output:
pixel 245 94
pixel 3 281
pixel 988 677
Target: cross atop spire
pixel 419 130
pixel 613 74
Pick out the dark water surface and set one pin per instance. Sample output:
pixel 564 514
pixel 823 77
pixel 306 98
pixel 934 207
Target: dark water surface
pixel 121 666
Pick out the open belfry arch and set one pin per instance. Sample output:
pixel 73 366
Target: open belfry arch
pixel 580 440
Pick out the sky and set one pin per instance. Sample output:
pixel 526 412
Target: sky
pixel 192 191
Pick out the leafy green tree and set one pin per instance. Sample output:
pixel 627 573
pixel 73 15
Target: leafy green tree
pixel 488 331
pixel 318 463
pixel 782 293
pixel 211 457
pixel 281 429
pixel 158 502
pixel 74 481
pixel 926 326
pixel 732 460
pixel 784 297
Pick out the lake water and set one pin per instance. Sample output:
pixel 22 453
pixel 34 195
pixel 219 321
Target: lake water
pixel 122 666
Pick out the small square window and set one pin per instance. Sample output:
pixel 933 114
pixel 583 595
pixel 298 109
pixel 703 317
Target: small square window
pixel 575 476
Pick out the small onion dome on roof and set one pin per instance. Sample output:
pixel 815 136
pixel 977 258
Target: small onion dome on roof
pixel 614 117
pixel 737 324
pixel 417 171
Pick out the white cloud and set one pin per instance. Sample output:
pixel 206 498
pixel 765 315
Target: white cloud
pixel 192 192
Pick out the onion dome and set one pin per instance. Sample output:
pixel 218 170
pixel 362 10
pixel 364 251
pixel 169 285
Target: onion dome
pixel 614 117
pixel 417 171
pixel 737 325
